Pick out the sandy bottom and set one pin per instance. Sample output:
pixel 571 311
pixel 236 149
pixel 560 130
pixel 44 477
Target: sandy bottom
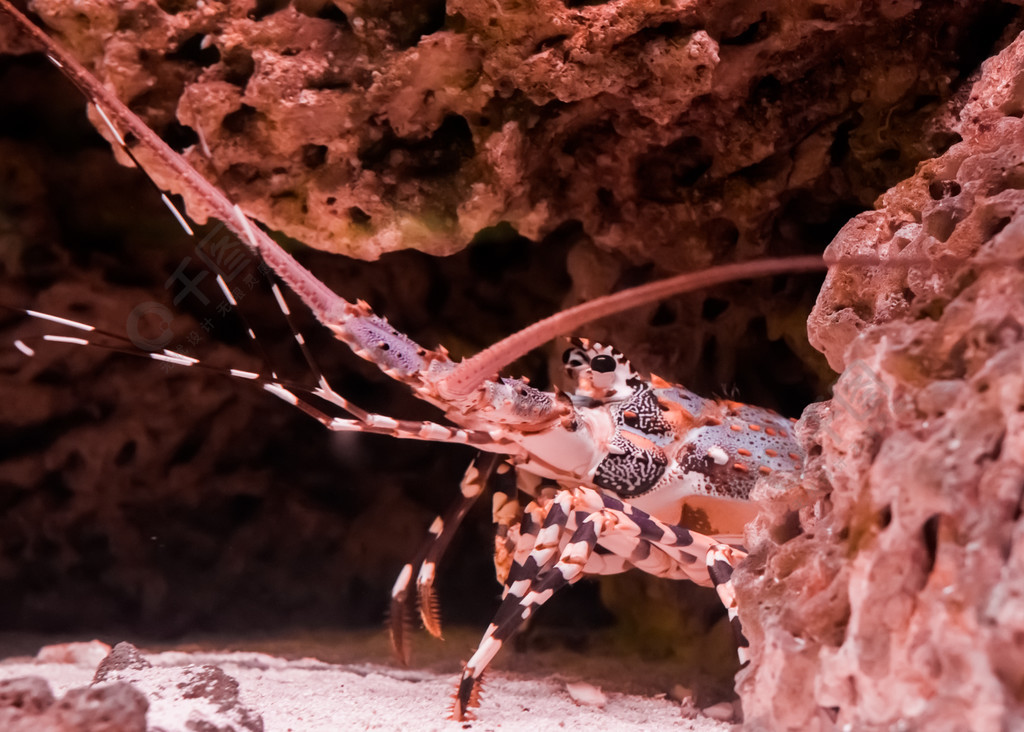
pixel 315 683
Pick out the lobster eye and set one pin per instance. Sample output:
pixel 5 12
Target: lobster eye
pixel 603 364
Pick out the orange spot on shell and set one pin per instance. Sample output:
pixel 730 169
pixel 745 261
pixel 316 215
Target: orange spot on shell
pixel 741 466
pixel 642 442
pixel 676 415
pixel 794 456
pixel 743 451
pixel 755 427
pixel 764 470
pixel 771 453
pixel 769 431
pixel 659 383
pixel 735 428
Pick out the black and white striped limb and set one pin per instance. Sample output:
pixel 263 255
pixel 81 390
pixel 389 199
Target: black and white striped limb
pixel 538 568
pixel 361 420
pixel 722 560
pixel 415 583
pixel 562 549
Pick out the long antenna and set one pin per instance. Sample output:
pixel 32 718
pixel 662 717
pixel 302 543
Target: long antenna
pixel 314 293
pixel 469 374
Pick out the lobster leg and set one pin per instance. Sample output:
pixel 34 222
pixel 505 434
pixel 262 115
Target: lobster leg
pixel 722 560
pixel 550 564
pixel 402 429
pixel 541 536
pixel 675 558
pixel 506 513
pixel 472 486
pixel 659 548
pixel 633 536
pixel 364 421
pixel 424 565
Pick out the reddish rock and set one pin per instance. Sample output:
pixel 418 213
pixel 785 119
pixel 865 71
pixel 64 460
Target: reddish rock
pixel 672 132
pixel 201 697
pixel 28 695
pixel 113 707
pixel 122 659
pixel 81 654
pixel 900 600
pixel 28 705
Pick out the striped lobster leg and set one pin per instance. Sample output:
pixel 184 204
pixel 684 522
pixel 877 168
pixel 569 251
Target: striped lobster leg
pixel 722 559
pixel 424 567
pixel 678 560
pixel 538 540
pixel 361 421
pixel 536 557
pixel 507 514
pixel 634 537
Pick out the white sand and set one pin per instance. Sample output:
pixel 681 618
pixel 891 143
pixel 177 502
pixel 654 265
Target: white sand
pixel 309 695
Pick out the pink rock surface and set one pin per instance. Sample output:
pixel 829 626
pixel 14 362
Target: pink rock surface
pixel 362 130
pixel 899 598
pixel 28 705
pixel 82 654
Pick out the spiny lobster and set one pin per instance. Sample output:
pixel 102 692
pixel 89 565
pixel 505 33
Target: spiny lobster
pixel 625 453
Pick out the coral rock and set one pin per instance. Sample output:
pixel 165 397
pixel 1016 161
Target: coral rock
pixel 672 132
pixel 116 707
pixel 28 695
pixel 900 599
pixel 205 696
pixel 122 659
pixel 82 654
pixel 28 705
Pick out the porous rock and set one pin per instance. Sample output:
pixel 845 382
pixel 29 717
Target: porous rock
pixel 671 132
pixel 87 654
pixel 28 695
pixel 194 698
pixel 126 691
pixel 28 705
pixel 122 659
pixel 898 600
pixel 115 707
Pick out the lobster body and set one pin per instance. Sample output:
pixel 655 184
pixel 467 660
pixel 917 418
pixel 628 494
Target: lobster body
pixel 717 450
pixel 679 457
pixel 656 445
